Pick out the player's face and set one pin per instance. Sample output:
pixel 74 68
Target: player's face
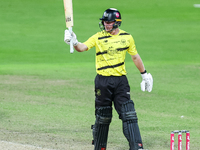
pixel 108 25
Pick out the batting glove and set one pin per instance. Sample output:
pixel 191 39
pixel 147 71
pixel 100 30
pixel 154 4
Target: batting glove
pixel 70 36
pixel 147 82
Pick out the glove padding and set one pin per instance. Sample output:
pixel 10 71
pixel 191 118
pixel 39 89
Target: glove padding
pixel 70 36
pixel 147 82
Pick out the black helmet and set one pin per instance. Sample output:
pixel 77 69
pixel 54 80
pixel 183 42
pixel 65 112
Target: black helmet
pixel 112 14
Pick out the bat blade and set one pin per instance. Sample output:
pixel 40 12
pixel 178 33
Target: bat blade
pixel 69 19
pixel 68 13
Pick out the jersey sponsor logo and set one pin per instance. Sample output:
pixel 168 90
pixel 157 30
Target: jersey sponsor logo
pixel 112 51
pixel 105 42
pixel 123 41
pixel 116 41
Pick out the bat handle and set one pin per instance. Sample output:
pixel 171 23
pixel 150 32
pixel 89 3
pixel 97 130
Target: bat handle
pixel 71 42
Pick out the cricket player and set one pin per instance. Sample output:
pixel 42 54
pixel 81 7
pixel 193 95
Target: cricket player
pixel 111 84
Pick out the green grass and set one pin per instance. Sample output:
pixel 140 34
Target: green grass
pixel 47 94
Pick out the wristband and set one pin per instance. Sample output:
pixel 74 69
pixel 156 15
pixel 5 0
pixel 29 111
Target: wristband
pixel 143 72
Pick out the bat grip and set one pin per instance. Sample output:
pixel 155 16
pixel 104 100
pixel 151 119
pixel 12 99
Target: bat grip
pixel 71 42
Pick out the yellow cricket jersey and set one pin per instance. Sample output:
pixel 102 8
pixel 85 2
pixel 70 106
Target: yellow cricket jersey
pixel 111 52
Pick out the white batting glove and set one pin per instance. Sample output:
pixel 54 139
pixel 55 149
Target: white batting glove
pixel 70 36
pixel 147 82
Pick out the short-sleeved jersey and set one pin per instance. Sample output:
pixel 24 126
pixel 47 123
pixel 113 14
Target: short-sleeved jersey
pixel 111 52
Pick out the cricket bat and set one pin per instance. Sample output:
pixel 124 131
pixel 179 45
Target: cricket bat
pixel 69 19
